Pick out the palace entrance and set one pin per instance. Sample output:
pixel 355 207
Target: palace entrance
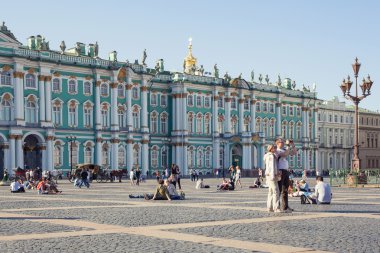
pixel 32 152
pixel 237 155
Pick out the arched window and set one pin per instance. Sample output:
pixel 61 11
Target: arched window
pixel 265 106
pixel 88 154
pixel 104 89
pixel 30 81
pixel 6 78
pixel 271 128
pixel 164 123
pixel 56 85
pixel 57 113
pixel 200 158
pixel 291 130
pixel 87 111
pixel 57 156
pixel 154 157
pixel 220 101
pixel 73 87
pixel 163 100
pixel 246 124
pixel 199 123
pixel 190 101
pixel 284 129
pixel 190 124
pixel 298 131
pixel 207 102
pixel 164 157
pixel 258 125
pixel 299 159
pixel 153 123
pixel 265 127
pixel 73 114
pixel 136 117
pixel 135 93
pixel 31 111
pixel 234 123
pixel 105 155
pixel 199 101
pixel 87 88
pixel 153 99
pixel 220 123
pixel 258 106
pixel 105 115
pixel 246 104
pixel 74 154
pixel 121 116
pixel 190 157
pixel 208 158
pixel 207 123
pixel 136 155
pixel 271 107
pixel 233 103
pixel 6 108
pixel 120 91
pixel 121 157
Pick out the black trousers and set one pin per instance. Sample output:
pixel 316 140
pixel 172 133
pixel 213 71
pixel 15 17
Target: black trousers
pixel 283 185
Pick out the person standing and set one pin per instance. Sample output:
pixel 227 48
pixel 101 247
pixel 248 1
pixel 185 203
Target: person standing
pixel 271 173
pixel 282 153
pixel 238 176
pixel 138 174
pixel 178 176
pixel 131 176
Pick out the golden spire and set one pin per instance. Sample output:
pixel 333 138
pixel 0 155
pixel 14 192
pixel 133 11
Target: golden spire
pixel 190 62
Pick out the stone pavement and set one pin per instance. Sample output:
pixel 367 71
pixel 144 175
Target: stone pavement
pixel 104 219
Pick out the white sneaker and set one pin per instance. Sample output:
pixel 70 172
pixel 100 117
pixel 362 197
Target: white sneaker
pixel 278 211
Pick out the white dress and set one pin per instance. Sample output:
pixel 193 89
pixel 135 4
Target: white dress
pixel 131 175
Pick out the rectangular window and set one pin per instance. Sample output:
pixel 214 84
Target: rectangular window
pixel 220 101
pixel 164 101
pixel 199 101
pixel 207 102
pixel 153 99
pixel 284 110
pixel 291 111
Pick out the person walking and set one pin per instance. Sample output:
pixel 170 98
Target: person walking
pixel 271 173
pixel 282 152
pixel 131 176
pixel 238 176
pixel 138 174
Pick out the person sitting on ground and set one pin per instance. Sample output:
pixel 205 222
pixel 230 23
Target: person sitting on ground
pixel 301 188
pixel 172 191
pixel 223 186
pixel 17 186
pixel 42 186
pixel 257 183
pixel 161 192
pixel 200 184
pixel 53 187
pixel 322 194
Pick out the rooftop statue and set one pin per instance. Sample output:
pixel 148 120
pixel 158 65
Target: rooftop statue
pixel 77 49
pixel 267 79
pixel 63 47
pixel 227 77
pixel 201 70
pixel 279 80
pixel 144 57
pixel 252 75
pixel 240 76
pixel 261 78
pixel 44 44
pixel 216 71
pixel 96 49
pixel 294 85
pixel 314 87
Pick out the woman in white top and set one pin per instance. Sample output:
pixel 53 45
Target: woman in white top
pixel 131 175
pixel 237 177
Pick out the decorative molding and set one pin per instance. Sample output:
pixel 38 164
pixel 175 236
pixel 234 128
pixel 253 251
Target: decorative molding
pixel 88 78
pixel 41 78
pixel 253 101
pixel 6 68
pixel 50 138
pixel 227 100
pixel 99 139
pixel 56 74
pixel 144 141
pixel 18 75
pixel 115 140
pixel 128 86
pixel 278 104
pixel 98 83
pixel 215 98
pixel 143 88
pixel 241 100
pixel 129 141
pixel 47 78
pixel 31 71
pixel 113 85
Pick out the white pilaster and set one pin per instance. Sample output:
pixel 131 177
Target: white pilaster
pixel 98 124
pixel 128 97
pixel 215 154
pixel 114 152
pixel 98 150
pixel 41 89
pixel 49 152
pixel 144 106
pixel 145 156
pixel 215 112
pixel 19 152
pixel 114 114
pixel 317 166
pixel 44 156
pixel 129 152
pixel 278 120
pixel 261 155
pixel 253 114
pixel 12 151
pixel 48 111
pixel 227 116
pixel 19 96
pixel 241 113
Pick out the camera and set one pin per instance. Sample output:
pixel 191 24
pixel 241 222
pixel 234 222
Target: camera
pixel 289 141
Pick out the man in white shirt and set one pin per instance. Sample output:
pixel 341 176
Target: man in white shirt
pixel 322 194
pixel 282 153
pixel 16 186
pixel 271 174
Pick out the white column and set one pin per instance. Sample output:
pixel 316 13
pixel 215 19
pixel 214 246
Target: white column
pixel 245 164
pixel 129 153
pixel 315 115
pixel 41 89
pixel 215 154
pixel 48 110
pixel 178 112
pixel 98 124
pixel 317 166
pixel 261 155
pixel 114 114
pixel 304 156
pixel 215 112
pixel 12 151
pixel 174 108
pixel 227 116
pixel 227 160
pixel 19 98
pixel 145 156
pixel 49 152
pixel 184 170
pixel 304 124
pixel 6 156
pixel 19 152
pixel 128 97
pixel 278 120
pixel 144 107
pixel 253 115
pixel 255 154
pixel 241 114
pixel 98 150
pixel 114 153
pixel 44 156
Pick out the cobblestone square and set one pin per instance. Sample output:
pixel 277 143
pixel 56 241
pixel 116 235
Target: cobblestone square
pixel 104 219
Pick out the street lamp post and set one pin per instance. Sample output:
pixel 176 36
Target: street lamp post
pixel 71 139
pixel 366 91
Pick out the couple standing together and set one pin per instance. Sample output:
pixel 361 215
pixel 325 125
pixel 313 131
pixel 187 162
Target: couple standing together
pixel 277 174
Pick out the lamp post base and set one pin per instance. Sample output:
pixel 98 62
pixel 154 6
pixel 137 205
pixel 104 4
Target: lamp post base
pixel 355 165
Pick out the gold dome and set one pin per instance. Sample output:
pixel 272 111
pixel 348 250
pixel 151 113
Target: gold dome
pixel 190 62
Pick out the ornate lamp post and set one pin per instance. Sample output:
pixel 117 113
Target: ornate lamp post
pixel 71 139
pixel 366 91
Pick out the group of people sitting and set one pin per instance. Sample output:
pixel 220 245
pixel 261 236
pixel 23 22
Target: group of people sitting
pixel 44 186
pixel 226 185
pixel 165 190
pixel 321 195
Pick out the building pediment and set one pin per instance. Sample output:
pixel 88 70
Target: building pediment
pixel 7 38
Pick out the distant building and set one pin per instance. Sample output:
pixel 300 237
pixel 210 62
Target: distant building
pixel 126 115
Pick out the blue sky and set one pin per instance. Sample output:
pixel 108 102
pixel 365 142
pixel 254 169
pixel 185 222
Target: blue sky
pixel 307 41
